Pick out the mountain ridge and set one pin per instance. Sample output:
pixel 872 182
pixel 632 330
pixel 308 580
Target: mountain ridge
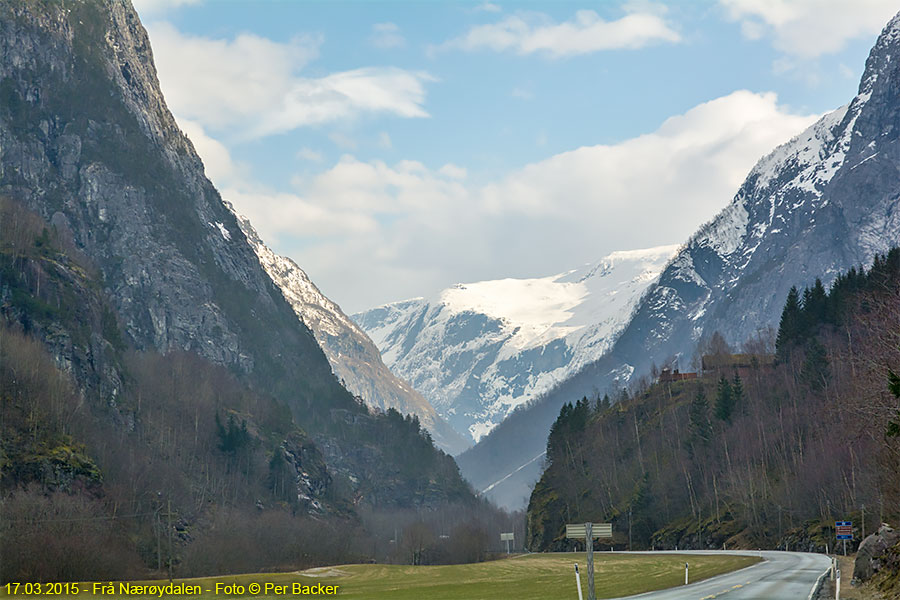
pixel 815 206
pixel 88 144
pixel 355 360
pixel 479 350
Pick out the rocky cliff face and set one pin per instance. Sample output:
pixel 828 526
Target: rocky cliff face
pixel 819 204
pixel 352 355
pixel 87 143
pixel 825 201
pixel 480 350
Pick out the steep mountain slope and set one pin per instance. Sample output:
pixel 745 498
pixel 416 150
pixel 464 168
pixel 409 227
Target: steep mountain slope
pixel 87 143
pixel 479 350
pixel 817 205
pixel 352 355
pixel 752 438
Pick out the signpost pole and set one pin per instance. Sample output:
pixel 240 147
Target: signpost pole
pixel 509 538
pixel 589 545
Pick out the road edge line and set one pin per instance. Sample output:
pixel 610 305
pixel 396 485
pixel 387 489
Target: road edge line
pixel 818 586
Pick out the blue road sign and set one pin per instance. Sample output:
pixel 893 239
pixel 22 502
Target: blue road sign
pixel 844 530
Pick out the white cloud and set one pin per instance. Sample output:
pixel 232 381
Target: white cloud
pixel 488 7
pixel 532 32
pixel 309 154
pixel 384 140
pixel 342 140
pixel 349 199
pixel 149 8
pixel 453 171
pixel 387 35
pixel 372 232
pixel 220 167
pixel 654 180
pixel 806 29
pixel 276 213
pixel 252 85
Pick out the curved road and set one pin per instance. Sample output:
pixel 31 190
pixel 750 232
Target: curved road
pixel 781 576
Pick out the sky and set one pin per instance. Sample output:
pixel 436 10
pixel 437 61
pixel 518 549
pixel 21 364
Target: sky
pixel 393 149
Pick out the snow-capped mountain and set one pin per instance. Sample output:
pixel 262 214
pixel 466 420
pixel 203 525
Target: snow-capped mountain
pixel 353 357
pixel 825 201
pixel 479 350
pixel 817 205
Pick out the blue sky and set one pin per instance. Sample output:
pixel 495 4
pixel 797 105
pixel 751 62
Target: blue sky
pixel 395 148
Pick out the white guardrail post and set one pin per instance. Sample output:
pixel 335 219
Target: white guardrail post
pixel 578 582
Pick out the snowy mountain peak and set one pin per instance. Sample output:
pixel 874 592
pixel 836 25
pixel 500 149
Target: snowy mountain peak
pixel 823 202
pixel 354 358
pixel 879 60
pixel 478 350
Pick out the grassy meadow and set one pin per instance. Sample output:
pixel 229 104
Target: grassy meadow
pixel 534 576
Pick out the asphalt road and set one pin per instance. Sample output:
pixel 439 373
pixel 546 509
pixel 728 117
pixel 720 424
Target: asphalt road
pixel 781 576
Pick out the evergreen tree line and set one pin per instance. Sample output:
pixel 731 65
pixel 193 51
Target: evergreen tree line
pixel 766 455
pixel 804 315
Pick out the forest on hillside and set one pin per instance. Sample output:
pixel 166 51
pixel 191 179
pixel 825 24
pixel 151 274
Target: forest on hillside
pixel 758 450
pixel 117 462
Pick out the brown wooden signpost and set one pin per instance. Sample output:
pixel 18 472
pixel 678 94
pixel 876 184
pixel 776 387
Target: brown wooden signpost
pixel 587 532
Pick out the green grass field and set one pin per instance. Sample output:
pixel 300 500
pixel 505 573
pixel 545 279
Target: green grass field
pixel 535 576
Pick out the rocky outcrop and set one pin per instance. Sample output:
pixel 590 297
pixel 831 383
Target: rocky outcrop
pixel 871 554
pixel 87 142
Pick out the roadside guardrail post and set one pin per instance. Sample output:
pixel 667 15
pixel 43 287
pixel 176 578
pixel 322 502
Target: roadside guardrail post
pixel 578 582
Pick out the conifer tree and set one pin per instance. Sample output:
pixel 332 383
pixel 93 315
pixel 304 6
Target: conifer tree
pixel 789 327
pixel 603 404
pixel 816 371
pixel 558 432
pixel 893 428
pixel 737 393
pixel 724 400
pixel 700 427
pixel 815 305
pixel 232 437
pixel 579 417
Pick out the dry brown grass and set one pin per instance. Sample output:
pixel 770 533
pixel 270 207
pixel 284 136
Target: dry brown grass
pixel 848 592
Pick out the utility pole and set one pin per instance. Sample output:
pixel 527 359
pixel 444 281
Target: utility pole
pixel 629 528
pixel 169 515
pixel 863 522
pixel 158 541
pixel 158 528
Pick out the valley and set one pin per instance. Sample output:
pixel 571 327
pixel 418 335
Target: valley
pixel 182 397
